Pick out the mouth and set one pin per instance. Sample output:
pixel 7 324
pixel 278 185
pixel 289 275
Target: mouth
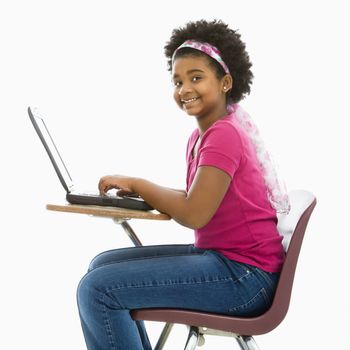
pixel 187 101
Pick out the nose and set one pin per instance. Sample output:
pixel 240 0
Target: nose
pixel 185 89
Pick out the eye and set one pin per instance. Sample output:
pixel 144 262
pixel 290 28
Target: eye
pixel 196 78
pixel 177 83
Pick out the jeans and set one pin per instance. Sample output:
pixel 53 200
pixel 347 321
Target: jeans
pixel 169 276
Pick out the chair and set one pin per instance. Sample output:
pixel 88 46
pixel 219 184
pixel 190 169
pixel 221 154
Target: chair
pixel 292 227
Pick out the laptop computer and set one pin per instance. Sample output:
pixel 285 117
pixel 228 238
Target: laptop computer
pixel 72 196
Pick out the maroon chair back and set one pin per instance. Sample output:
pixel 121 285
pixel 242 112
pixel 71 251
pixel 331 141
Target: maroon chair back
pixel 292 225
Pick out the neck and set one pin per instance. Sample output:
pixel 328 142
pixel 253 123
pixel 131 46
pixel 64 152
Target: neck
pixel 204 123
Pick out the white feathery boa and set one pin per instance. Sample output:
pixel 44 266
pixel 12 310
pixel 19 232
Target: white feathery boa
pixel 276 189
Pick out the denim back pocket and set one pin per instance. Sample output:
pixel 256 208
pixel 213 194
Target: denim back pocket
pixel 255 306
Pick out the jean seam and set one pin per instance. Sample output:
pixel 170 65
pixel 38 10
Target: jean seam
pixel 107 321
pixel 222 280
pixel 144 258
pixel 241 277
pixel 268 300
pixel 266 279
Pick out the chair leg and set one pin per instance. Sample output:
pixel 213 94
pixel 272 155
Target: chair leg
pixel 164 336
pixel 246 342
pixel 193 338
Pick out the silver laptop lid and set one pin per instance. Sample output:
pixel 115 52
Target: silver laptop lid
pixel 51 149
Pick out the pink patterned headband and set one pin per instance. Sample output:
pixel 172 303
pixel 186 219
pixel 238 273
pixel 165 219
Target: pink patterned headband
pixel 207 48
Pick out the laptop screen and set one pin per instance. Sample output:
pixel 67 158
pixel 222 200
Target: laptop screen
pixel 51 149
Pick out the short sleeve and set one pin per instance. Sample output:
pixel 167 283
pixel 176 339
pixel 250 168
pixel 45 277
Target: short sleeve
pixel 221 147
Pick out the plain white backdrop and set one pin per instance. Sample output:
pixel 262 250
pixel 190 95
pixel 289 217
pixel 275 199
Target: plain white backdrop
pixel 96 70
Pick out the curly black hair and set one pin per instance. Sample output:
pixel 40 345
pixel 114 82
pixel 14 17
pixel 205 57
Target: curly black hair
pixel 227 41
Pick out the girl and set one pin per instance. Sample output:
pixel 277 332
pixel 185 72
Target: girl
pixel 230 201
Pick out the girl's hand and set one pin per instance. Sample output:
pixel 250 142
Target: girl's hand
pixel 123 184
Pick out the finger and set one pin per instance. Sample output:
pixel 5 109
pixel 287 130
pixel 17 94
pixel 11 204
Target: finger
pixel 104 185
pixel 101 186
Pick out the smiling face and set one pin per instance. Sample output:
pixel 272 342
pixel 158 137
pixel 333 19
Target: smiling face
pixel 197 89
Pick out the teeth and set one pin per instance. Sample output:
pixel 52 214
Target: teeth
pixel 190 100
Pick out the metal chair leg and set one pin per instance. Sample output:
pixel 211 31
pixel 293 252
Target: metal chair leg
pixel 246 342
pixel 193 338
pixel 164 336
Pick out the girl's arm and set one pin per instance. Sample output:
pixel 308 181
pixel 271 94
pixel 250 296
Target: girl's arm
pixel 177 190
pixel 193 209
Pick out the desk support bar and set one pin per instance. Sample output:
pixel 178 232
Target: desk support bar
pixel 129 231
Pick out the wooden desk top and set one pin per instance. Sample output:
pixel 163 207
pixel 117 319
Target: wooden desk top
pixel 111 212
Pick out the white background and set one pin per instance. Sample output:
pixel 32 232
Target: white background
pixel 96 70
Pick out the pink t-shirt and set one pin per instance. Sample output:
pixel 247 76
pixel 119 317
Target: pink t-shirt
pixel 244 228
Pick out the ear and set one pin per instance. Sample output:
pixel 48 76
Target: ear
pixel 227 83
